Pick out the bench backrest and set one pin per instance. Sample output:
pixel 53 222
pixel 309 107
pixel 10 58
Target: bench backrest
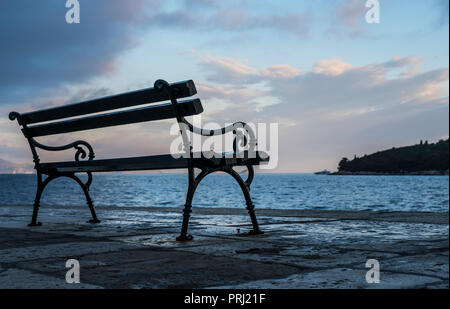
pixel 184 89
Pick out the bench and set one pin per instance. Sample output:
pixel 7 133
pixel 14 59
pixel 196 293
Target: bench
pixel 99 113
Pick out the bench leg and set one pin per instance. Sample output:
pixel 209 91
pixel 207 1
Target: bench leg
pixel 37 200
pixel 251 212
pixel 193 183
pixel 184 228
pixel 36 205
pixel 184 236
pixel 245 186
pixel 88 198
pixel 41 186
pixel 92 209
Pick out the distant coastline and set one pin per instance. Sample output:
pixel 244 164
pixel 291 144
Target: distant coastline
pixel 423 159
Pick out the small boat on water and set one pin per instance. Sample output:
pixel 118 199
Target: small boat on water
pixel 324 172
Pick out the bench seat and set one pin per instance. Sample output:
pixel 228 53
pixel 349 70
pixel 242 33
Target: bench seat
pixel 155 162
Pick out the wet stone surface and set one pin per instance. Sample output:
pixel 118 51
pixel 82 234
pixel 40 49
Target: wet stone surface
pixel 136 248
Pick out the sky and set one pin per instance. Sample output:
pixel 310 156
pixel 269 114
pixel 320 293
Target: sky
pixel 336 85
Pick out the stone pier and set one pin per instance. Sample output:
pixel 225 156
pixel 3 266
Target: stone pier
pixel 135 247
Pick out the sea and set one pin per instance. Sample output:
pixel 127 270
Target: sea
pixel 275 191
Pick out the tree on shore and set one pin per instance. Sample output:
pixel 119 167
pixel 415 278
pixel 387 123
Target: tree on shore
pixel 421 157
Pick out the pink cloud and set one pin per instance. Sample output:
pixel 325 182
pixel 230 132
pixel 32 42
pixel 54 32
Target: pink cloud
pixel 230 68
pixel 332 67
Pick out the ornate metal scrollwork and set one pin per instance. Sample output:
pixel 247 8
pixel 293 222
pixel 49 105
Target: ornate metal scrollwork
pixel 80 153
pixel 13 116
pixel 76 145
pixel 240 139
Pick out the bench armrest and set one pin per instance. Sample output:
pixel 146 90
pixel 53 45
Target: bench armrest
pixel 234 127
pixel 81 152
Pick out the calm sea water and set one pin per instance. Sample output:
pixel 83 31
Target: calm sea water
pixel 279 191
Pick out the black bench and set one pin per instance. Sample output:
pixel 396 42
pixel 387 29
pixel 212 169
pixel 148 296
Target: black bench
pixel 51 122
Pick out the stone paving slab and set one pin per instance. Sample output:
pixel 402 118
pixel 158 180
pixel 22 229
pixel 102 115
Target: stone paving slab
pixel 427 264
pixel 22 279
pixel 135 247
pixel 67 249
pixel 339 278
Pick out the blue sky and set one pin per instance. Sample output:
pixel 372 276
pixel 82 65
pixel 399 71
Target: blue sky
pixel 336 85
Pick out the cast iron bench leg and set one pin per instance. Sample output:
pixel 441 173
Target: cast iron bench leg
pixel 193 183
pixel 251 212
pixel 36 209
pixel 89 202
pixel 41 186
pixel 37 201
pixel 245 187
pixel 184 236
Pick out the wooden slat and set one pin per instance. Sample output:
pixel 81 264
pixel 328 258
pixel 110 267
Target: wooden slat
pixel 158 112
pixel 155 162
pixel 149 95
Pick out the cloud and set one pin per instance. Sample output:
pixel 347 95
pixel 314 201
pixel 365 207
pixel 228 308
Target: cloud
pixel 39 49
pixel 14 168
pixel 372 85
pixel 224 69
pixel 411 65
pixel 231 93
pixel 229 18
pixel 333 86
pixel 351 12
pixel 331 67
pixel 338 108
pixel 280 71
pixel 348 18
